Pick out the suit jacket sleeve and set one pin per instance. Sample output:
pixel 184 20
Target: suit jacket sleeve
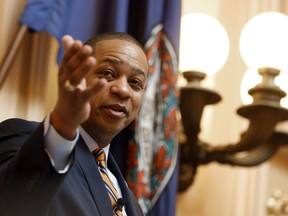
pixel 28 181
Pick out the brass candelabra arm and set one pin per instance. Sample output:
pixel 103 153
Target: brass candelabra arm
pixel 253 157
pixel 257 144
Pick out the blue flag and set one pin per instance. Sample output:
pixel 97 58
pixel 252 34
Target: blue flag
pixel 152 172
pixel 81 19
pixel 150 142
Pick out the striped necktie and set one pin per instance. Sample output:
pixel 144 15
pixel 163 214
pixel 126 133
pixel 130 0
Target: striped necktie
pixel 100 158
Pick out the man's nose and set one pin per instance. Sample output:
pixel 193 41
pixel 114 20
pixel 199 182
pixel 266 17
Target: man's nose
pixel 121 87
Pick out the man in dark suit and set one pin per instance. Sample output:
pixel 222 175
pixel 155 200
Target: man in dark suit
pixel 48 168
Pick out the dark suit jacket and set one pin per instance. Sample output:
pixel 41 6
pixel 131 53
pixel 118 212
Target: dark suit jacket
pixel 30 186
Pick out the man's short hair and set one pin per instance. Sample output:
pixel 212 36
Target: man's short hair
pixel 113 35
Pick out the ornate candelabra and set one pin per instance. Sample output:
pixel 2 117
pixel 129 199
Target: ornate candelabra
pixel 256 145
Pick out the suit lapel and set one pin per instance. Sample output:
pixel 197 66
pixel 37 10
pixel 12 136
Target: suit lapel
pixel 85 159
pixel 131 202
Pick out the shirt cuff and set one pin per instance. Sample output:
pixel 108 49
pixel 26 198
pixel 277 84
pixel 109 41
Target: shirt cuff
pixel 58 149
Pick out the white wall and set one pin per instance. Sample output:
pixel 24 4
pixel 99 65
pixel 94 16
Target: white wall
pixel 29 89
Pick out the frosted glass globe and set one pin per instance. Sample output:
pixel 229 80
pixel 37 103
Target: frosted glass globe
pixel 204 43
pixel 264 41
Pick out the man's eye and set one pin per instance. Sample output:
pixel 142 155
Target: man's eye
pixel 106 73
pixel 137 83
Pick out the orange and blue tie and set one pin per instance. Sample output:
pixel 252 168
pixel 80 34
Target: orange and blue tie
pixel 100 158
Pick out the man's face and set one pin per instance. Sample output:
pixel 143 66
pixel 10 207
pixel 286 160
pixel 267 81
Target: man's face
pixel 125 68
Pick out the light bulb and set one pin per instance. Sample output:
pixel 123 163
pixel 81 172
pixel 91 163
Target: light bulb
pixel 204 44
pixel 264 41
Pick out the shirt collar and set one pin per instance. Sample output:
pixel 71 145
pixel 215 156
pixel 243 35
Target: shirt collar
pixel 92 145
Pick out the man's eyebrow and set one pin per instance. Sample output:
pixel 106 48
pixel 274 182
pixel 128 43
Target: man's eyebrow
pixel 139 70
pixel 112 60
pixel 117 61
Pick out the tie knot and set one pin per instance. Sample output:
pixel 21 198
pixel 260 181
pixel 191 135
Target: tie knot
pixel 99 155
